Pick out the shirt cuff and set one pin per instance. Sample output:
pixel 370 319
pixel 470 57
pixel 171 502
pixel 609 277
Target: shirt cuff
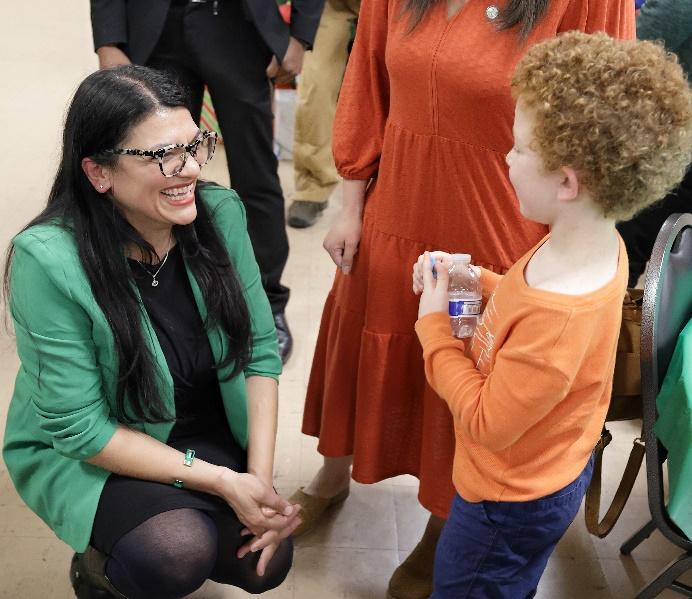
pixel 433 327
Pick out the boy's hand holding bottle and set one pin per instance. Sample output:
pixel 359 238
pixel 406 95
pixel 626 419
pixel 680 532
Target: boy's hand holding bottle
pixel 433 289
pixel 461 297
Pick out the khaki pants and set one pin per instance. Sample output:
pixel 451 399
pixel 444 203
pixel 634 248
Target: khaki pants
pixel 318 89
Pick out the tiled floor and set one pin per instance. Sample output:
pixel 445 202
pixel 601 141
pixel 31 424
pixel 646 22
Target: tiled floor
pixel 44 52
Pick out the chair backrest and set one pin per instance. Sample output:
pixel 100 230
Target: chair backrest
pixel 666 309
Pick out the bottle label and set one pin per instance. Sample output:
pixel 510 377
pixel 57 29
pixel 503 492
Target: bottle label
pixel 460 307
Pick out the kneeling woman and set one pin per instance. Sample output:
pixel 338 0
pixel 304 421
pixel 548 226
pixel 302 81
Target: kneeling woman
pixel 143 420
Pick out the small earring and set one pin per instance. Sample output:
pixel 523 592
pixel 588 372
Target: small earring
pixel 100 186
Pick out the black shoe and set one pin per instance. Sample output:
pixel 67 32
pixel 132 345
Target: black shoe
pixel 302 214
pixel 283 333
pixel 88 578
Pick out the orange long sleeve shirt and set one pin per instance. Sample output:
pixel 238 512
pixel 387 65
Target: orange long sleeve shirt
pixel 530 399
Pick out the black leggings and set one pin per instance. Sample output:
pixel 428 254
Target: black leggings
pixel 164 542
pixel 171 555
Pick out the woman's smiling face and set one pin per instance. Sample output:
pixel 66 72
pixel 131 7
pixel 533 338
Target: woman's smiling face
pixel 149 201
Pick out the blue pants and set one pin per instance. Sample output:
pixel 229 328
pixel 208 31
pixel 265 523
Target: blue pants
pixel 499 549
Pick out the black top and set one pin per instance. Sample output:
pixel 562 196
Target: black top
pixel 173 312
pixel 201 423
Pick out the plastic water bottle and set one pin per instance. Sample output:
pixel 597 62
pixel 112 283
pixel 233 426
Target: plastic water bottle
pixel 464 296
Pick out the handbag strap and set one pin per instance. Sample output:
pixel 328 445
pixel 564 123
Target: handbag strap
pixel 593 493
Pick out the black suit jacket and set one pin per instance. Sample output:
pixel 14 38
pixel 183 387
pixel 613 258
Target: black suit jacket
pixel 136 25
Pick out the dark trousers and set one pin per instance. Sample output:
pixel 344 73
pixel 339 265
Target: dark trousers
pixel 639 233
pixel 226 53
pixel 499 549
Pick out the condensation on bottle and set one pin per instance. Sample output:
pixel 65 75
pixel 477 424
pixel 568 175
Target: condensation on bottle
pixel 464 296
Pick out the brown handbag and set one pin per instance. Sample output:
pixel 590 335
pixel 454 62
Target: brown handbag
pixel 625 404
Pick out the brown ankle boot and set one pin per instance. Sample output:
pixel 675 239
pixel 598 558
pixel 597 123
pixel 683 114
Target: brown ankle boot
pixel 413 578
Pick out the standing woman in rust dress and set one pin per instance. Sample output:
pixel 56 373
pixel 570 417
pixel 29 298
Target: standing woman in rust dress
pixel 423 124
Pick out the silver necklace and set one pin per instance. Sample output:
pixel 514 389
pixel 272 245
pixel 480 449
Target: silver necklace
pixel 154 282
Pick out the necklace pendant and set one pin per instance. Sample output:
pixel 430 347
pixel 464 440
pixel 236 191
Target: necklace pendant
pixel 154 283
pixel 492 12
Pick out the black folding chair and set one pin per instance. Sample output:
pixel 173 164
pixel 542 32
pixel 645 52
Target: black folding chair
pixel 666 310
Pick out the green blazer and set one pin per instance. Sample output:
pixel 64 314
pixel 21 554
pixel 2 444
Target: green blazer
pixel 62 409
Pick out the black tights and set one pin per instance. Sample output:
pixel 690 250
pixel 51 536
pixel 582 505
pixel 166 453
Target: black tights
pixel 171 555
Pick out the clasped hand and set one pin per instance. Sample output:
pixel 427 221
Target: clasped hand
pixel 291 64
pixel 265 514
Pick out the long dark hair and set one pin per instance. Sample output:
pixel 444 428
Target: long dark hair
pixel 526 12
pixel 105 108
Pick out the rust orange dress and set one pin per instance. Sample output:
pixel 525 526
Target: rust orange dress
pixel 428 115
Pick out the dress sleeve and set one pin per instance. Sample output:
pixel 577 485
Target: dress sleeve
pixel 495 410
pixel 667 20
pixel 363 105
pixel 57 355
pixel 615 17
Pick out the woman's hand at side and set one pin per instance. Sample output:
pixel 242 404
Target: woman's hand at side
pixel 343 238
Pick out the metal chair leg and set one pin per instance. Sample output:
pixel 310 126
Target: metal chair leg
pixel 641 535
pixel 683 589
pixel 666 579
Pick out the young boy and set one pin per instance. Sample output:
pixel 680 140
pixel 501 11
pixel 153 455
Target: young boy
pixel 602 128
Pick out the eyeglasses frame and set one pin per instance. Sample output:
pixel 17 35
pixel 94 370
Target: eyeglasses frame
pixel 190 150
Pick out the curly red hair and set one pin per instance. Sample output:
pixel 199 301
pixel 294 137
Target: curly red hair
pixel 618 112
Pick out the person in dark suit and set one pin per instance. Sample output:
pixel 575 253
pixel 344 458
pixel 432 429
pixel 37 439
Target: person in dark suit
pixel 235 47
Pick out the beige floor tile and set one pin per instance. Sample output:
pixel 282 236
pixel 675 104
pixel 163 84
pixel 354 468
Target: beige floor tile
pixel 627 576
pixel 8 496
pixel 635 515
pixel 287 454
pixel 291 400
pixel 339 573
pixel 34 568
pixel 310 459
pixel 20 521
pixel 406 480
pixel 567 578
pixel 577 542
pixel 411 516
pixel 366 520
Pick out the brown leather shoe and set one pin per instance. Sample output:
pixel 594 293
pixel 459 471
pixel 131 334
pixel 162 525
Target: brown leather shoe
pixel 413 578
pixel 313 508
